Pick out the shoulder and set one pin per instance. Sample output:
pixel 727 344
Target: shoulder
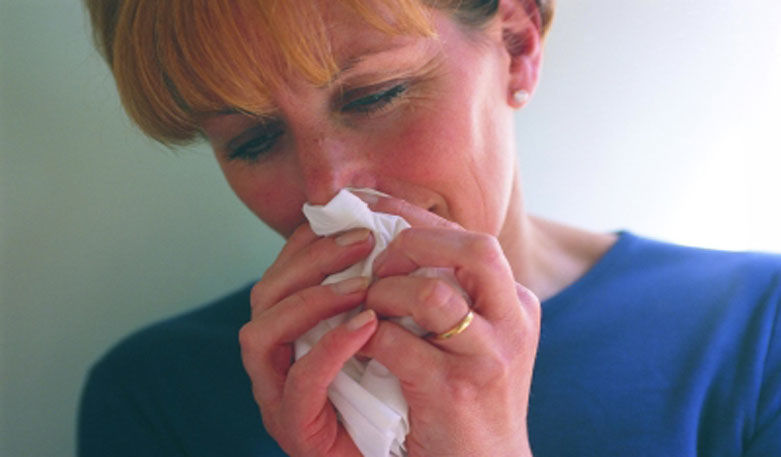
pixel 686 295
pixel 640 260
pixel 655 251
pixel 687 335
pixel 724 303
pixel 210 330
pixel 158 391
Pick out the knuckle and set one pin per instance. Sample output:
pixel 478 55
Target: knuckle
pixel 382 341
pixel 462 389
pixel 331 343
pixel 435 299
pixel 486 249
pixel 302 299
pixel 253 347
pixel 489 372
pixel 530 304
pixel 317 253
pixel 249 337
pixel 314 252
pixel 435 293
pixel 257 296
pixel 526 296
pixel 494 368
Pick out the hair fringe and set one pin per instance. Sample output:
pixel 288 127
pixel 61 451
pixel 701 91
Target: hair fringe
pixel 170 73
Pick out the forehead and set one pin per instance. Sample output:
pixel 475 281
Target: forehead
pixel 330 40
pixel 351 42
pixel 349 30
pixel 351 34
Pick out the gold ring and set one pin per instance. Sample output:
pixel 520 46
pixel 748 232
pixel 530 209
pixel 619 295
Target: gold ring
pixel 462 325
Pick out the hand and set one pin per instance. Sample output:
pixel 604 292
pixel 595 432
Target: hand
pixel 286 303
pixel 467 395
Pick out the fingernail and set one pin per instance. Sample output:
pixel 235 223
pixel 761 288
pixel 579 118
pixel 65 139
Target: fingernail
pixel 360 319
pixel 352 237
pixel 351 285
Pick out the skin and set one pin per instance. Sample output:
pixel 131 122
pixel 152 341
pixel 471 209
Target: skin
pixel 443 147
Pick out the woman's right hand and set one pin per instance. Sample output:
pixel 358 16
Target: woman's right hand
pixel 286 303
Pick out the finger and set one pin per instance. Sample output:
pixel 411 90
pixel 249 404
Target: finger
pixel 310 265
pixel 476 259
pixel 415 215
pixel 265 365
pixel 265 341
pixel 433 304
pixel 302 236
pixel 308 379
pixel 300 311
pixel 411 359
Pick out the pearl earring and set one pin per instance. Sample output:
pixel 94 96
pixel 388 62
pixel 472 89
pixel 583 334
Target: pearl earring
pixel 520 97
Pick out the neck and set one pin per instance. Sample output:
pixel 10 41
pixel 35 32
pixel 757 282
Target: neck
pixel 545 256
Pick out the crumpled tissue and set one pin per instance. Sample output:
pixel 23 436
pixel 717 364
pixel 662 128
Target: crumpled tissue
pixel 366 395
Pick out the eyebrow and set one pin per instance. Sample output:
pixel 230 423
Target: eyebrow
pixel 355 62
pixel 344 73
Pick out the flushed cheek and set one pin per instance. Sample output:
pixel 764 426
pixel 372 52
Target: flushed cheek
pixel 272 199
pixel 424 134
pixel 438 155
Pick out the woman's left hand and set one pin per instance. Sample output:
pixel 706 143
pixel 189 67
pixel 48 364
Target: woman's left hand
pixel 467 395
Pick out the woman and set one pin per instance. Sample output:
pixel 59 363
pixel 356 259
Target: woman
pixel 644 348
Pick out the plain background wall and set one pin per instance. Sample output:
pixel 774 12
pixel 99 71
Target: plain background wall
pixel 658 116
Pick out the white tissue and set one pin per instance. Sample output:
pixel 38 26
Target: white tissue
pixel 367 396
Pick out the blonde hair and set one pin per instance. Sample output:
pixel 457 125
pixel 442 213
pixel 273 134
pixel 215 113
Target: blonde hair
pixel 170 71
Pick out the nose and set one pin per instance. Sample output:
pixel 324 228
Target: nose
pixel 329 163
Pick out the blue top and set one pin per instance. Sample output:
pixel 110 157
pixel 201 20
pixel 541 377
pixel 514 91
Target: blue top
pixel 659 350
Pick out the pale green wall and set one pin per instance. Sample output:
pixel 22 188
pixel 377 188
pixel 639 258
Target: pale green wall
pixel 102 230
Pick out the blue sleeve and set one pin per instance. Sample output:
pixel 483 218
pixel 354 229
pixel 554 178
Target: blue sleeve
pixel 112 423
pixel 767 437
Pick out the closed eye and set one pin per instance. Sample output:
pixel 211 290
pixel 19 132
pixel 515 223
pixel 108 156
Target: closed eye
pixel 375 101
pixel 255 143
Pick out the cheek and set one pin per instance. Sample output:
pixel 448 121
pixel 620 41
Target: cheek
pixel 424 144
pixel 272 197
pixel 461 148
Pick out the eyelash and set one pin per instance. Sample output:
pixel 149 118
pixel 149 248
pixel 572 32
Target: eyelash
pixel 246 152
pixel 369 104
pixel 376 101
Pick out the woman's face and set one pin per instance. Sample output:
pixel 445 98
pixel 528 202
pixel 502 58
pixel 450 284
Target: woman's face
pixel 420 118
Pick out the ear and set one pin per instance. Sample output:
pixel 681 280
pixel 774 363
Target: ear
pixel 521 25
